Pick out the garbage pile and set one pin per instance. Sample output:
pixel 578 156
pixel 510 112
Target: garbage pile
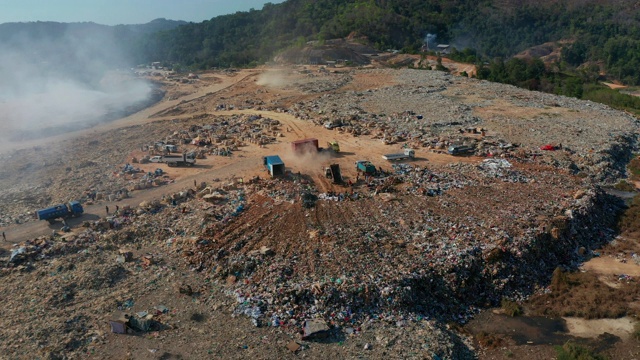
pixel 403 261
pixel 596 139
pixel 501 168
pixel 24 255
pixel 223 134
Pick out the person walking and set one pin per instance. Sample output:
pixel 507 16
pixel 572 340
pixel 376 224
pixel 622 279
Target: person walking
pixel 4 237
pixel 107 208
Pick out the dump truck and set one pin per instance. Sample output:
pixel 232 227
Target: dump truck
pixel 460 149
pixel 61 211
pixel 333 172
pixel 304 145
pixel 180 160
pixel 274 165
pixel 366 167
pixel 333 146
pixel 407 154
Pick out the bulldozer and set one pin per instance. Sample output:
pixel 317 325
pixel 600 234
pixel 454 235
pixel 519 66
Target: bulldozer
pixel 333 146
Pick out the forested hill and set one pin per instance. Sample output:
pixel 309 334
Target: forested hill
pixel 601 31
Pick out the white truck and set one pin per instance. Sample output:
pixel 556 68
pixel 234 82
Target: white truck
pixel 333 124
pixel 407 154
pixel 175 160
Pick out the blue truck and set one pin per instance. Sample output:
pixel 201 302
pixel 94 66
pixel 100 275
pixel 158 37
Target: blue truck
pixel 71 209
pixel 274 165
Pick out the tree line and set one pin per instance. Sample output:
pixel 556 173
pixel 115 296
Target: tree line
pixel 599 32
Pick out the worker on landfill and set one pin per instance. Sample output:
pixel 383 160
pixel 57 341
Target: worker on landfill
pixel 4 237
pixel 107 208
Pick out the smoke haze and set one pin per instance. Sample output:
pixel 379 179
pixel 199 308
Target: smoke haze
pixel 63 81
pixel 431 41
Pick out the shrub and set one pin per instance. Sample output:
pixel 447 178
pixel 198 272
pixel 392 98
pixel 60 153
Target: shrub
pixel 489 341
pixel 559 280
pixel 573 351
pixel 511 308
pixel 624 185
pixel 636 331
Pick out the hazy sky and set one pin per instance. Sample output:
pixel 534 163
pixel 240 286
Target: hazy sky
pixel 113 12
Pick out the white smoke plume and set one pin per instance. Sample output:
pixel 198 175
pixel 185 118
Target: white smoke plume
pixel 61 84
pixel 431 41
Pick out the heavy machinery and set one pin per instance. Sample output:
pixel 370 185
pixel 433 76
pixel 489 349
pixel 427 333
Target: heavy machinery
pixel 407 154
pixel 305 146
pixel 333 124
pixel 333 146
pixel 460 149
pixel 274 165
pixel 71 209
pixel 333 172
pixel 366 167
pixel 180 160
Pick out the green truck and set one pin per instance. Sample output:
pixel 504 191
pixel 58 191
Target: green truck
pixel 366 167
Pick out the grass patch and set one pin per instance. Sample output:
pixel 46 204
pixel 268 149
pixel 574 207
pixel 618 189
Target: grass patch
pixel 508 353
pixel 573 351
pixel 624 185
pixel 634 168
pixel 511 308
pixel 489 341
pixel 559 280
pixel 584 295
pixel 636 331
pixel 629 221
pixel 613 98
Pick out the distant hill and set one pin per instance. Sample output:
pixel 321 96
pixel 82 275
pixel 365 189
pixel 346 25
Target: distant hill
pixel 78 51
pixel 594 31
pixel 17 34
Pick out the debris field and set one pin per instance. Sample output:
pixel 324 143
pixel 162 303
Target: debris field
pixel 380 264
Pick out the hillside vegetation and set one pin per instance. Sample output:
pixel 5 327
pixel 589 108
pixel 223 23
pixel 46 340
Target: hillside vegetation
pixel 602 32
pixel 591 39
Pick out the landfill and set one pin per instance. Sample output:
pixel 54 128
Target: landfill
pixel 389 261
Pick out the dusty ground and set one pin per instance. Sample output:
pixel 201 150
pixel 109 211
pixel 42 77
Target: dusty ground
pixel 81 297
